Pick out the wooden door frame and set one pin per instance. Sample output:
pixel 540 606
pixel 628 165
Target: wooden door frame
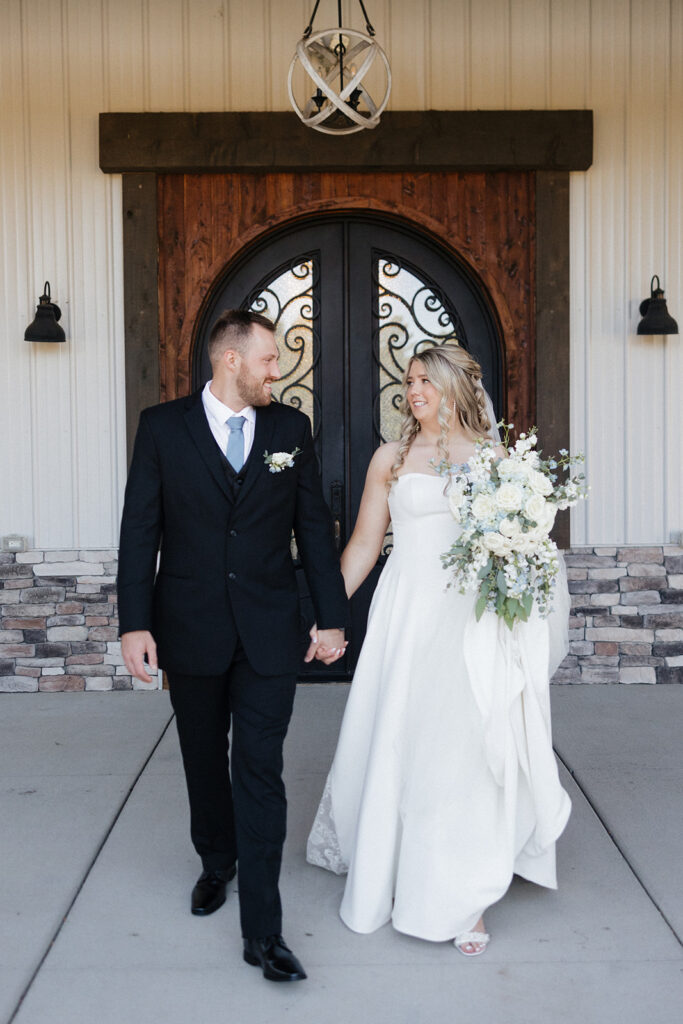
pixel 551 143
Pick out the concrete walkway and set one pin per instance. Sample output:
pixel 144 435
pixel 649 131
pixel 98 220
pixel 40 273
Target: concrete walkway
pixel 96 870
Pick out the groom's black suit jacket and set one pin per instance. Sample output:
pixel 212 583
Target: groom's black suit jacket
pixel 225 570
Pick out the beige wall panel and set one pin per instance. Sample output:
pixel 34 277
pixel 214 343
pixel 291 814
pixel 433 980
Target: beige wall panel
pixel 490 55
pixel 47 108
pixel 405 41
pixel 579 318
pixel 447 68
pixel 249 70
pixel 645 212
pixel 607 321
pixel 673 278
pixel 529 54
pixel 205 38
pixel 287 24
pixel 165 54
pixel 569 63
pixel 124 31
pixel 17 295
pixel 96 435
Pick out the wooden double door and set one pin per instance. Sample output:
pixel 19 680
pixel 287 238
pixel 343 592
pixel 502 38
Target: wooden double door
pixel 354 289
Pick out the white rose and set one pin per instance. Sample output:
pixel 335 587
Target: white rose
pixel 534 538
pixel 540 483
pixel 506 468
pixel 510 528
pixel 535 508
pixel 509 497
pixel 524 543
pixel 483 507
pixel 525 468
pixel 496 544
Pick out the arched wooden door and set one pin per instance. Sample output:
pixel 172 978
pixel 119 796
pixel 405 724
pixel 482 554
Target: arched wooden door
pixel 353 292
pixel 352 299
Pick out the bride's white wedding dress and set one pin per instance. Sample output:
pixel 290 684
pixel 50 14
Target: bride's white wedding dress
pixel 444 782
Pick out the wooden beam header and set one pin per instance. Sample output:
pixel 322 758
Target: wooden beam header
pixel 420 140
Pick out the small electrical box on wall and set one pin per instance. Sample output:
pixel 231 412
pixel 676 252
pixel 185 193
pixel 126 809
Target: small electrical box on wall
pixel 13 542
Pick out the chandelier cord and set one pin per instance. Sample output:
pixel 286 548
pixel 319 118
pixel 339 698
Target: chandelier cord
pixel 368 24
pixel 309 27
pixel 341 47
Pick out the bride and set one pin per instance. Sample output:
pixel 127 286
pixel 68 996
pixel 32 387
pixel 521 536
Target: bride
pixel 429 825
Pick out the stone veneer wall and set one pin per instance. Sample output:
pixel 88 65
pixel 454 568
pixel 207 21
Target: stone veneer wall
pixel 626 624
pixel 58 620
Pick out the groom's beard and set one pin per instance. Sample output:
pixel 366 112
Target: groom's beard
pixel 252 390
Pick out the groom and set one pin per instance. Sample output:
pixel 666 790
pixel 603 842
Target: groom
pixel 220 613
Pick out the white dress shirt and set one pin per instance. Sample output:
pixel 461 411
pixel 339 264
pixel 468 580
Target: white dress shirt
pixel 217 414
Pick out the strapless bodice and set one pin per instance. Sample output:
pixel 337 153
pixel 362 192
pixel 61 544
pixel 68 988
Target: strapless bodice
pixel 421 520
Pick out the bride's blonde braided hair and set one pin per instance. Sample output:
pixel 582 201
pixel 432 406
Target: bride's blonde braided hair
pixel 457 376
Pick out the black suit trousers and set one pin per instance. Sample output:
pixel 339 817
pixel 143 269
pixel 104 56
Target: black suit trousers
pixel 238 808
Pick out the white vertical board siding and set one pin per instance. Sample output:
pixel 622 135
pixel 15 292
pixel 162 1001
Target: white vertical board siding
pixel 529 54
pixel 64 61
pixel 44 80
pixel 205 49
pixel 448 56
pixel 645 214
pixel 673 271
pixel 16 430
pixel 489 45
pixel 602 402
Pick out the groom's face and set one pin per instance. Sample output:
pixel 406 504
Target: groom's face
pixel 258 368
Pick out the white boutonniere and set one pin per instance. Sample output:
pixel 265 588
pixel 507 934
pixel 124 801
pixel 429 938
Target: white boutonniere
pixel 280 460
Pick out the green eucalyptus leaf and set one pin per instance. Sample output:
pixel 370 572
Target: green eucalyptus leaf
pixel 485 570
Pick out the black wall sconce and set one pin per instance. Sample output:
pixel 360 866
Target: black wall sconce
pixel 45 326
pixel 656 319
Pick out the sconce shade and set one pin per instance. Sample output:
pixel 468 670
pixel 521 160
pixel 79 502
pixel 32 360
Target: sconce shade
pixel 656 318
pixel 45 326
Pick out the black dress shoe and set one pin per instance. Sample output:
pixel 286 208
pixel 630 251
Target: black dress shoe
pixel 276 959
pixel 209 892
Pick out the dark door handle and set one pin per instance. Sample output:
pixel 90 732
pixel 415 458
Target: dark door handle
pixel 337 509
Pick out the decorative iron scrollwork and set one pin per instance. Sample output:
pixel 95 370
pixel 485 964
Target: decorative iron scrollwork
pixel 290 299
pixel 410 315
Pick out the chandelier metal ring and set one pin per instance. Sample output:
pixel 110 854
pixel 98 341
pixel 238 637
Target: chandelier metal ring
pixel 325 64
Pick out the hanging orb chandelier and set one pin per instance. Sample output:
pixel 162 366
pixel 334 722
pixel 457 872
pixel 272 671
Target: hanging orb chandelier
pixel 337 61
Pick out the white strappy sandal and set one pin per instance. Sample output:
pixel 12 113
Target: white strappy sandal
pixel 481 939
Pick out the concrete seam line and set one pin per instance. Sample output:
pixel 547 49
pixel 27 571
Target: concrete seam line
pixel 604 824
pixel 89 868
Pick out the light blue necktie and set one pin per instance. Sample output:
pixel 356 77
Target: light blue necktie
pixel 235 449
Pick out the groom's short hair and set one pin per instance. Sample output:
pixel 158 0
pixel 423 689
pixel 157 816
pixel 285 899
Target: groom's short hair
pixel 232 330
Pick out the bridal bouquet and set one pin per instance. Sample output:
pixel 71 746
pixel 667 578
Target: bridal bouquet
pixel 507 508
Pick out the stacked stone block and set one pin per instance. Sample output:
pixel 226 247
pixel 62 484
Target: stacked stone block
pixel 626 624
pixel 58 622
pixel 59 627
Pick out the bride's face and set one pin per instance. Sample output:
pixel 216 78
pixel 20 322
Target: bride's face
pixel 422 396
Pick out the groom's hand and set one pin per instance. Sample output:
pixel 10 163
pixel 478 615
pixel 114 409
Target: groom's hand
pixel 327 645
pixel 137 646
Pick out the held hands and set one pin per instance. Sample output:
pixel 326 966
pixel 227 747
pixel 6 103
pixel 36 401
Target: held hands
pixel 327 645
pixel 137 646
